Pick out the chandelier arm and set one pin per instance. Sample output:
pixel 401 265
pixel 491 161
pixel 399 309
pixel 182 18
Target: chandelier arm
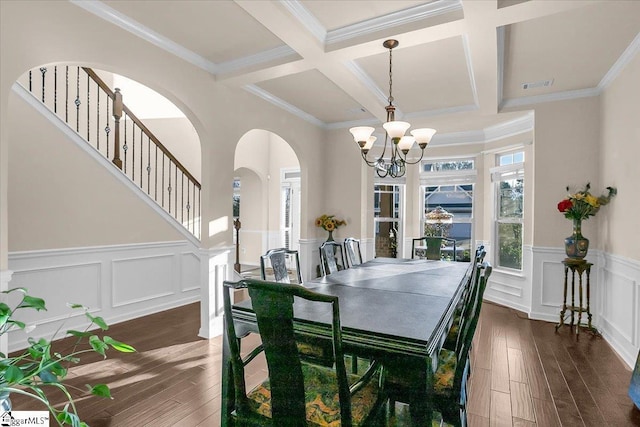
pixel 417 161
pixel 367 161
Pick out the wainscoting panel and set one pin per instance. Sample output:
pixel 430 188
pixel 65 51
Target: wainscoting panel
pixel 118 283
pixel 615 296
pixel 510 288
pixel 189 271
pixel 617 309
pixel 81 284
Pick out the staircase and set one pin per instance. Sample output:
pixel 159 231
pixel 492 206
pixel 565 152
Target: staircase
pixel 80 98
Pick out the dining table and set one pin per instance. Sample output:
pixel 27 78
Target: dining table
pixel 396 311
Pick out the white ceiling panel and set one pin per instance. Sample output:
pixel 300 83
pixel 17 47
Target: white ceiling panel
pixel 315 94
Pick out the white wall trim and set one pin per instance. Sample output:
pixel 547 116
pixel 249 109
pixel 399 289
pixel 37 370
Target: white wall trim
pixel 147 278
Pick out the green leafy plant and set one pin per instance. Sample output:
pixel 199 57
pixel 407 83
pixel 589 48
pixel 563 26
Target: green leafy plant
pixel 40 368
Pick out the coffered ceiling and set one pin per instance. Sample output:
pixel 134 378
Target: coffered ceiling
pixel 459 63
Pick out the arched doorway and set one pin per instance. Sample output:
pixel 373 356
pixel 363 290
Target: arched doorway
pixel 270 208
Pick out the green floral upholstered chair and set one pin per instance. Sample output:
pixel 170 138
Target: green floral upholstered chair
pixel 296 392
pixel 450 379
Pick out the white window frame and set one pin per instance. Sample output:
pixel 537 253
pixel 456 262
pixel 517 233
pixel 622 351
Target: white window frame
pixel 449 178
pixel 499 174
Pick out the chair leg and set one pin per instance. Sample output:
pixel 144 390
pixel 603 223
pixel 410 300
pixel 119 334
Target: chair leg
pixel 354 364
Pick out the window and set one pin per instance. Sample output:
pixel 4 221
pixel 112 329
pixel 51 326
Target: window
pixel 508 179
pixel 387 205
pixel 449 184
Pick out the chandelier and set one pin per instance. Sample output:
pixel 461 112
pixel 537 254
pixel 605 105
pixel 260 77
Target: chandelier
pixel 395 166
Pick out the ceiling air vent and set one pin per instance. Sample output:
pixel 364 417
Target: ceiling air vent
pixel 541 83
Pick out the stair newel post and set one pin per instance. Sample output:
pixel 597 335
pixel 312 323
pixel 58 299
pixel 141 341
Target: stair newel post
pixel 237 225
pixel 117 113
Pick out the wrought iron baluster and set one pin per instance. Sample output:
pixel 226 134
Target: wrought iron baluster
pixel 176 195
pixel 133 151
pixel 77 101
pixel 30 81
pixel 163 156
pixel 188 205
pixel 43 71
pixel 169 188
pixel 88 109
pixel 55 89
pixel 182 199
pixel 148 165
pixel 141 154
pixel 66 94
pixel 98 117
pixel 107 129
pixel 155 196
pixel 125 146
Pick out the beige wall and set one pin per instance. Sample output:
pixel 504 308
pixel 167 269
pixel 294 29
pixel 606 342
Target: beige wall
pixel 618 162
pixel 45 32
pixel 69 202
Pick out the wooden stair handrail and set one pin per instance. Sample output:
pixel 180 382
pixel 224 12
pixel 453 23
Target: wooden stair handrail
pixel 139 123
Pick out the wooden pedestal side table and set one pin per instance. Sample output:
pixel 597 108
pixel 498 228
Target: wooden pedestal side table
pixel 580 268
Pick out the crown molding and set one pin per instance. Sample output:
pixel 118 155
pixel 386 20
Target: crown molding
pixel 267 96
pixel 501 39
pixel 509 128
pixel 111 15
pixel 551 97
pixel 364 78
pixel 391 20
pixel 279 52
pixel 629 53
pixel 307 19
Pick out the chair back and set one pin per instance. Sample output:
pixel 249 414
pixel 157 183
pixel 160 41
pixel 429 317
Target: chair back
pixel 352 251
pixel 469 320
pixel 430 247
pixel 273 305
pixel 331 257
pixel 280 260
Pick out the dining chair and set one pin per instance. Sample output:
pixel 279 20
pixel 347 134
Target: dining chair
pixel 451 377
pixel 331 257
pixel 470 280
pixel 296 392
pixel 352 251
pixel 430 247
pixel 279 261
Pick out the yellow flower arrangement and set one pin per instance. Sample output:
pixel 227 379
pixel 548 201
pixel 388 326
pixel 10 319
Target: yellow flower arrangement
pixel 329 222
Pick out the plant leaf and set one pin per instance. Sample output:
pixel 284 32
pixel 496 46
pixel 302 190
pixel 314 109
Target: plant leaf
pixel 17 323
pixel 78 334
pixel 75 305
pixel 99 321
pixel 13 374
pixel 117 345
pixel 101 390
pixel 32 302
pixel 19 289
pixel 47 377
pixel 97 345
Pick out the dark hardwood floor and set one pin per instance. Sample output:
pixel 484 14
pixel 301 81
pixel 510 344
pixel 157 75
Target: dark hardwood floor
pixel 524 374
